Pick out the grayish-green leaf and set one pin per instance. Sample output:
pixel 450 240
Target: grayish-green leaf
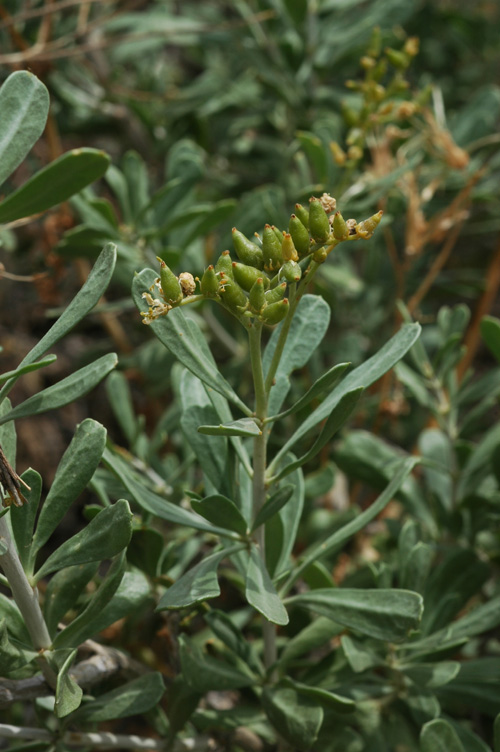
pixel 222 512
pixel 81 304
pixel 14 375
pixel 134 698
pixel 315 635
pixel 55 183
pixel 24 106
pixel 241 427
pixel 67 390
pixel 273 505
pixel 295 717
pixel 23 518
pixel 439 736
pixel 363 376
pixel 73 473
pixel 330 700
pixel 381 614
pixel 490 332
pixel 203 673
pixel 260 591
pixel 182 338
pixel 105 536
pixel 68 693
pixel 153 503
pixel 336 420
pixel 198 584
pixel 324 384
pixel 340 536
pixel 307 329
pixel 63 592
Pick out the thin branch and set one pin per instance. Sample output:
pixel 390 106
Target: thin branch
pixel 27 15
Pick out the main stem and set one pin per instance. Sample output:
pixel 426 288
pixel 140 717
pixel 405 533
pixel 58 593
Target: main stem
pixel 26 598
pixel 259 471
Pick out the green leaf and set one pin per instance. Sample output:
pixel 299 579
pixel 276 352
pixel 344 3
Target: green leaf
pixel 260 591
pixel 223 628
pixel 198 584
pixel 381 614
pixel 153 503
pixel 203 673
pixel 134 698
pixel 23 518
pixel 439 736
pixel 363 376
pixel 118 596
pixel 222 512
pixel 104 537
pixel 347 531
pixel 295 717
pixel 324 384
pixel 81 304
pixel 68 693
pixel 24 107
pixel 75 470
pixel 329 700
pixel 14 375
pixel 273 505
pixel 336 420
pixel 358 657
pixel 315 635
pixel 307 329
pixel 185 340
pixel 431 675
pixel 242 427
pixel 64 590
pixel 55 183
pixel 13 654
pixel 67 390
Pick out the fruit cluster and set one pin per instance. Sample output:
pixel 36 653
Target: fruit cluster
pixel 256 284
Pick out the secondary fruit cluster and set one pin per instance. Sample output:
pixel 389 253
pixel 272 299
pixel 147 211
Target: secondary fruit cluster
pixel 255 286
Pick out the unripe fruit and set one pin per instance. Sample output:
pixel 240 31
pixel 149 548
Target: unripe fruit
pixel 247 251
pixel 366 228
pixel 300 235
pixel 319 225
pixel 288 250
pixel 209 284
pixel 276 294
pixel 257 298
pixel 275 312
pixel 246 276
pixel 170 285
pixel 224 264
pixel 291 271
pixel 340 229
pixel 271 250
pixel 232 294
pixel 303 214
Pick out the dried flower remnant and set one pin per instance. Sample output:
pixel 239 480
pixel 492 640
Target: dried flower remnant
pixel 11 483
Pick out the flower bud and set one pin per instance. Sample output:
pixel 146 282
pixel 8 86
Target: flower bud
pixel 338 154
pixel 271 250
pixel 319 225
pixel 366 228
pixel 320 255
pixel 340 229
pixel 276 293
pixel 300 236
pixel 275 312
pixel 232 294
pixel 303 214
pixel 209 284
pixel 290 271
pixel 288 250
pixel 171 289
pixel 247 252
pixel 224 264
pixel 397 58
pixel 257 298
pixel 246 276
